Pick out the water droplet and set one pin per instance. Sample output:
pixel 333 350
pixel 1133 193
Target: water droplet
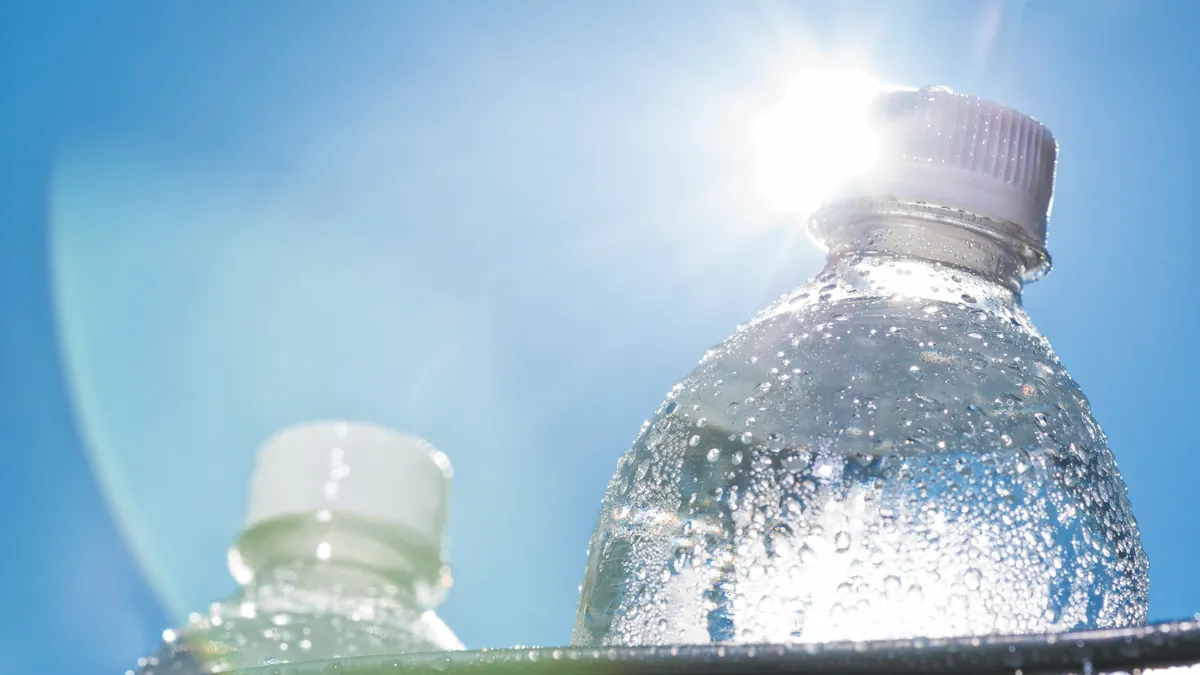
pixel 747 437
pixel 694 440
pixel 714 454
pixel 643 468
pixel 841 541
pixel 891 583
pixel 972 579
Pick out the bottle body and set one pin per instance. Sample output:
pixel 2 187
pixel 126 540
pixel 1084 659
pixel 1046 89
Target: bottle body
pixel 890 451
pixel 319 587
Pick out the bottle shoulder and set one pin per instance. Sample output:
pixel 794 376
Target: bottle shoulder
pixel 876 372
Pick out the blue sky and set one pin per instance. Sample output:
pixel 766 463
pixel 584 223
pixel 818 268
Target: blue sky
pixel 508 228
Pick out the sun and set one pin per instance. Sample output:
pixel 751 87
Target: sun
pixel 814 139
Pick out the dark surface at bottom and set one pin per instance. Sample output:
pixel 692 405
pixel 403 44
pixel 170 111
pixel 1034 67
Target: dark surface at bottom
pixel 1087 653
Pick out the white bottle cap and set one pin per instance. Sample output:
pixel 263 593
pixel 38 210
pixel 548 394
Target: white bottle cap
pixel 943 148
pixel 352 468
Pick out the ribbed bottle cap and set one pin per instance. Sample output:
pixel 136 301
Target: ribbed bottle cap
pixel 352 468
pixel 943 148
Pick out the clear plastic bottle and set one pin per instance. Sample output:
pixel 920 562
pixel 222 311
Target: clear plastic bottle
pixel 341 555
pixel 892 450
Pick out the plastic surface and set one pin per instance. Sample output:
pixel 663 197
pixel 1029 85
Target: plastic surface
pixel 352 468
pixel 963 152
pixel 1150 649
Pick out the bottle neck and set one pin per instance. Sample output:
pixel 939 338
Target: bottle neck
pixel 338 556
pixel 990 252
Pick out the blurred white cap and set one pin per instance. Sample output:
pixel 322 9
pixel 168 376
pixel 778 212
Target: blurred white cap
pixel 943 148
pixel 352 468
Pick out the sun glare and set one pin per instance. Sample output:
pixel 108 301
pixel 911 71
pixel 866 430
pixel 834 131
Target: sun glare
pixel 815 138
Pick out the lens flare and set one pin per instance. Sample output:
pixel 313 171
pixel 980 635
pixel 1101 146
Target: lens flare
pixel 815 138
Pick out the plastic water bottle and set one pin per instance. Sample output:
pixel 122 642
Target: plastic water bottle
pixel 341 556
pixel 892 450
